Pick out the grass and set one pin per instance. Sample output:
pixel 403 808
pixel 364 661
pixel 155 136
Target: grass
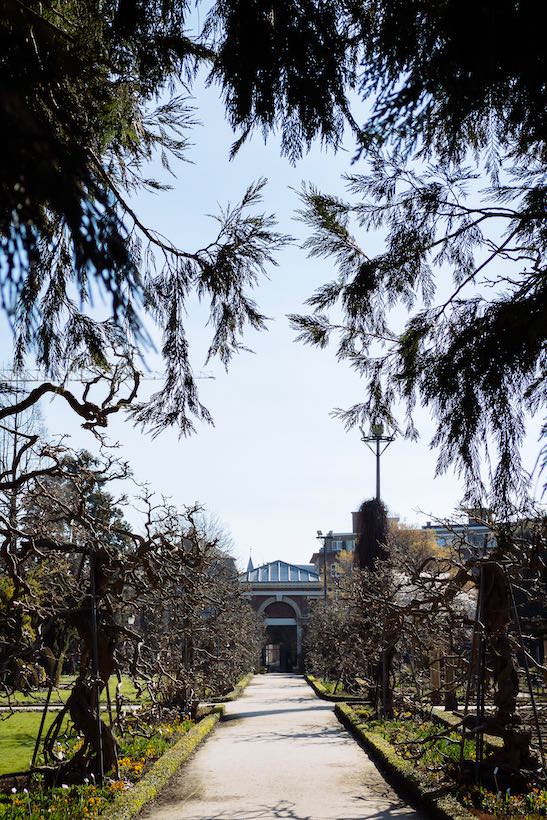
pixel 18 730
pixel 146 763
pixel 17 739
pixel 60 694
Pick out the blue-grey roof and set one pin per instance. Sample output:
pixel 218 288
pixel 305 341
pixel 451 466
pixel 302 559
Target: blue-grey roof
pixel 280 572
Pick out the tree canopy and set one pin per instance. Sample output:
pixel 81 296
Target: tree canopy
pixel 83 111
pixel 472 351
pixel 451 91
pixel 454 92
pixel 445 75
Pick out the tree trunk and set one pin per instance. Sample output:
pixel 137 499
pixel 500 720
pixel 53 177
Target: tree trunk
pixel 505 723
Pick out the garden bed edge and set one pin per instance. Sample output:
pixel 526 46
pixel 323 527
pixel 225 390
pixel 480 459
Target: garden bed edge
pixel 238 689
pixel 401 772
pixel 321 692
pixel 130 803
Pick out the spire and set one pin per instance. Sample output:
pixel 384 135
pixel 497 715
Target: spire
pixel 250 566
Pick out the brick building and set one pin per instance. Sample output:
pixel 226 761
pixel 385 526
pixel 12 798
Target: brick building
pixel 281 593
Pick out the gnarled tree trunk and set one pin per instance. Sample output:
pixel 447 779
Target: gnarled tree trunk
pixel 505 723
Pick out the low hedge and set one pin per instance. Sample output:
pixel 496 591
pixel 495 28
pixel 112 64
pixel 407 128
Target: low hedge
pixel 321 692
pixel 237 691
pixel 129 803
pixel 402 773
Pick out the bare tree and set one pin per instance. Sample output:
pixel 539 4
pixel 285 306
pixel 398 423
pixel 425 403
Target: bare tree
pixel 160 602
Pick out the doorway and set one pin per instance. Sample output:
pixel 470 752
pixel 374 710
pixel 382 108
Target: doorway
pixel 280 652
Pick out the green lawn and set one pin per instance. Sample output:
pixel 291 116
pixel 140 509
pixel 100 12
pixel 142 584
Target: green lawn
pixel 60 695
pixel 17 739
pixel 18 730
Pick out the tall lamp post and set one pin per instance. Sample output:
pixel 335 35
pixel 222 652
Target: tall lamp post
pixel 326 539
pixel 377 443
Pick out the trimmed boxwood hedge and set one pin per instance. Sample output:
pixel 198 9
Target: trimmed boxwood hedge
pixel 129 803
pixel 238 689
pixel 321 692
pixel 402 773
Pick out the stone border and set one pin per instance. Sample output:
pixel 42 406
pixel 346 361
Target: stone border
pixel 128 804
pixel 402 773
pixel 321 692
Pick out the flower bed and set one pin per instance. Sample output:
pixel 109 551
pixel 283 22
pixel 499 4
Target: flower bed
pixel 57 804
pixel 138 756
pixel 421 758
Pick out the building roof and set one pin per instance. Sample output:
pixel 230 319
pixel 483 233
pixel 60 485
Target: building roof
pixel 280 572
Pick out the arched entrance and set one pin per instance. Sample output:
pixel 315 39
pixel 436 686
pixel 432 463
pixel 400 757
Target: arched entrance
pixel 281 651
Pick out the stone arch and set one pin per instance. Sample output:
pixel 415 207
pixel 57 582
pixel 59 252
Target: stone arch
pixel 274 599
pixel 280 609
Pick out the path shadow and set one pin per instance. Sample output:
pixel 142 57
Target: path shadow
pixel 261 712
pixel 285 810
pixel 333 736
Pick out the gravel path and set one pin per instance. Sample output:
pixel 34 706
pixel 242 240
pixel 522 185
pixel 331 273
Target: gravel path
pixel 279 753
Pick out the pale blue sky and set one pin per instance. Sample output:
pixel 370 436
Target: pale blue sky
pixel 276 467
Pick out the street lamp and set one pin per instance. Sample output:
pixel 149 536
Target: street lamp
pixel 326 538
pixel 374 441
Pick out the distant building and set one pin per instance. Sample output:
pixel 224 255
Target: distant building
pixel 281 593
pixel 334 543
pixel 475 532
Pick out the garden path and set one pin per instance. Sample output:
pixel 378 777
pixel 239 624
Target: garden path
pixel 279 753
